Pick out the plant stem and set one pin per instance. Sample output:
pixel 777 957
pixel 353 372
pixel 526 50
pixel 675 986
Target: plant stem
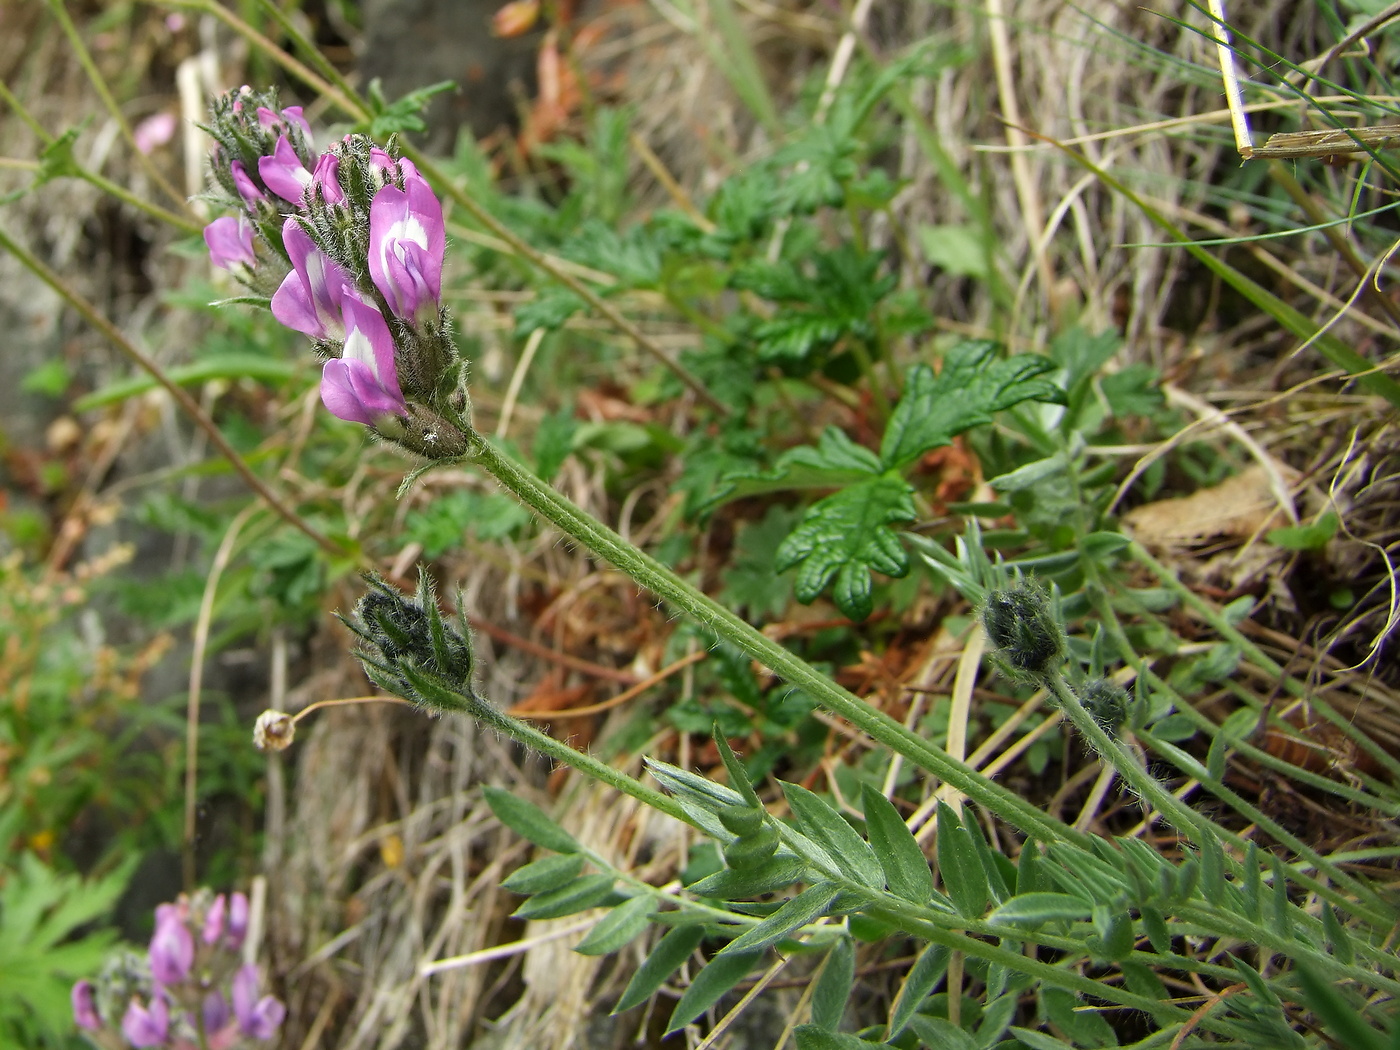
pixel 545 744
pixel 182 398
pixel 100 85
pixel 661 581
pixel 1127 763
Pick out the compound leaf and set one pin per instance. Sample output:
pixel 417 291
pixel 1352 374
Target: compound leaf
pixel 845 536
pixel 974 383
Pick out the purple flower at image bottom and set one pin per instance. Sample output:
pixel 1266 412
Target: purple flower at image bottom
pixel 311 298
pixel 85 1007
pixel 230 242
pixel 144 1026
pixel 362 385
pixel 406 244
pixel 257 1017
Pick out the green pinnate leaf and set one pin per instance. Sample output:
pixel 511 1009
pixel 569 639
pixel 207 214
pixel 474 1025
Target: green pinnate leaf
pixel 975 382
pixel 1031 909
pixel 734 884
pixel 926 972
pixel 588 891
pixel 833 987
pixel 722 974
pixel 906 868
pixel 618 927
pixel 846 536
pixel 405 114
pixel 529 821
pixel 961 868
pixel 828 829
pixel 813 1037
pixel 547 873
pixel 812 903
pixel 664 960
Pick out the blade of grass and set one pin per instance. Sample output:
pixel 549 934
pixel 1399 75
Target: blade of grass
pixel 1361 370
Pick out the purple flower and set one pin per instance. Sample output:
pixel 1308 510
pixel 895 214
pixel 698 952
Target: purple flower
pixel 84 1007
pixel 243 182
pixel 284 173
pixel 214 921
pixel 380 160
pixel 312 296
pixel 289 116
pixel 362 386
pixel 216 1012
pixel 237 920
pixel 292 115
pixel 406 242
pixel 258 1018
pixel 172 949
pixel 146 1027
pixel 230 242
pixel 327 176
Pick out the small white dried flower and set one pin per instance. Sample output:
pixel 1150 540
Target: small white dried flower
pixel 274 731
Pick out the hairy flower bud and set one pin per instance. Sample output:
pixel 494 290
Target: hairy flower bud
pixel 237 920
pixel 248 128
pixel 1024 629
pixel 409 648
pixel 1107 702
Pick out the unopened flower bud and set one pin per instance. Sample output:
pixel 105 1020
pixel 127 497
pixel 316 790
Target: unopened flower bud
pixel 1024 629
pixel 1107 702
pixel 85 1007
pixel 172 950
pixel 214 921
pixel 273 731
pixel 237 918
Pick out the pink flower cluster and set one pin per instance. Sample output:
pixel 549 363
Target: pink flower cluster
pixel 179 993
pixel 320 299
pixel 363 234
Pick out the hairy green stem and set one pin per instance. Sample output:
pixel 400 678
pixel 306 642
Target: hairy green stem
pixel 664 583
pixel 1322 865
